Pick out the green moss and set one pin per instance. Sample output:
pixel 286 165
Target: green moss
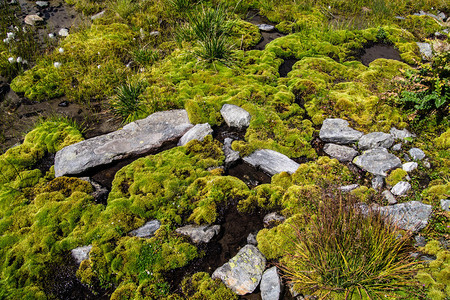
pixel 420 26
pixel 363 193
pixel 201 286
pixel 245 34
pixel 443 141
pixel 396 176
pixel 435 192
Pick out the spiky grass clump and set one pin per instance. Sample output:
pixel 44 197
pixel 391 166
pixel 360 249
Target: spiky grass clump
pixel 127 103
pixel 346 252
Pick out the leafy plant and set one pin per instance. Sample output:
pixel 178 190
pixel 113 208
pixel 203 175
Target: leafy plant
pixel 346 251
pixel 127 103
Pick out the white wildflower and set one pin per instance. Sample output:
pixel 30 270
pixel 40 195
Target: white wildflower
pixel 51 35
pixel 6 41
pixel 10 35
pixel 99 66
pixel 19 59
pixel 25 62
pixel 61 50
pixel 11 60
pixel 57 64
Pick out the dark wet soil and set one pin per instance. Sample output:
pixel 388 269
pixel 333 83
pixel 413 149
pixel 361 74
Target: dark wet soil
pixel 224 131
pixel 248 174
pixel 286 66
pixel 376 51
pixel 255 18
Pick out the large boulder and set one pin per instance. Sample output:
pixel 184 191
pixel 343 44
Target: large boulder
pixel 375 140
pixel 243 272
pixel 199 233
pixel 377 161
pixel 134 139
pixel 271 162
pixel 412 215
pixel 341 153
pixel 198 132
pixel 271 285
pixel 146 231
pixel 235 116
pixel 338 131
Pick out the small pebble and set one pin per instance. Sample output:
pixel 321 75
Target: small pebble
pixel 410 166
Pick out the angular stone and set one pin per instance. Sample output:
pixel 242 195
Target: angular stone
pixel 63 32
pixel 270 285
pixel 243 272
pixel 341 153
pixel 375 140
pixel 377 182
pixel 231 156
pixel 33 20
pixel 198 132
pixel 98 15
pixel 199 233
pixel 271 162
pixel 403 134
pixel 235 116
pixel 266 27
pixel 81 253
pixel 410 166
pixel 377 161
pixel 273 219
pixel 134 139
pixel 412 215
pixel 416 154
pixel 348 188
pixel 390 198
pixel 401 188
pixel 146 231
pixel 397 147
pixel 420 241
pixel 251 239
pixel 445 204
pixel 42 3
pixel 425 51
pixel 337 131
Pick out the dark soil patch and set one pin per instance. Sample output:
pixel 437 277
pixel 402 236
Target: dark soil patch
pixel 255 18
pixel 223 131
pixel 286 66
pixel 376 51
pixel 248 174
pixel 45 163
pixel 267 37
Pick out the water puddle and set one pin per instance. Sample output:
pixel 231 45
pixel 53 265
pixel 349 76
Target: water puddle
pixel 254 17
pixel 286 66
pixel 376 51
pixel 248 174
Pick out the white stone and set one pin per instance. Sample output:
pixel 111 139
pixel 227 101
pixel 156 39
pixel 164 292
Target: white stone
pixel 338 131
pixel 235 116
pixel 271 162
pixel 425 51
pixel 412 215
pixel 340 152
pixel 63 32
pixel 445 204
pixel 266 27
pixel 409 166
pixel 81 253
pixel 199 233
pixel 375 140
pixel 146 231
pixel 416 154
pixel 403 134
pixel 377 161
pixel 401 188
pixel 389 197
pixel 270 285
pixel 198 132
pixel 348 188
pixel 33 20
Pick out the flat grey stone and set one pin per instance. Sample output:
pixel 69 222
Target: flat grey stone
pixel 98 15
pixel 266 27
pixel 401 188
pixel 420 241
pixel 134 139
pixel 375 140
pixel 377 161
pixel 235 116
pixel 146 231
pixel 243 272
pixel 81 253
pixel 445 204
pixel 425 51
pixel 33 20
pixel 231 156
pixel 199 233
pixel 341 153
pixel 273 219
pixel 270 285
pixel 403 134
pixel 377 182
pixel 271 162
pixel 42 3
pixel 412 215
pixel 410 166
pixel 397 147
pixel 63 32
pixel 348 188
pixel 390 198
pixel 198 132
pixel 416 154
pixel 338 131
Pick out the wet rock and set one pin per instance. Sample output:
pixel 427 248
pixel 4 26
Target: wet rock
pixel 445 204
pixel 425 51
pixel 135 138
pixel 146 231
pixel 100 193
pixel 42 4
pixel 270 285
pixel 338 131
pixel 243 272
pixel 403 134
pixel 98 15
pixel 377 182
pixel 33 20
pixel 231 156
pixel 271 162
pixel 198 132
pixel 199 233
pixel 377 161
pixel 63 32
pixel 81 253
pixel 341 153
pixel 235 116
pixel 348 188
pixel 390 198
pixel 416 154
pixel 401 188
pixel 273 219
pixel 397 147
pixel 266 27
pixel 409 166
pixel 412 215
pixel 420 241
pixel 375 140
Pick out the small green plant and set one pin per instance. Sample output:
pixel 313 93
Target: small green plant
pixel 127 103
pixel 180 5
pixel 143 56
pixel 125 8
pixel 347 251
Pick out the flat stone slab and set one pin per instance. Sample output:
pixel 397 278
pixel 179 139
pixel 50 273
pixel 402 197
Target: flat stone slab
pixel 341 153
pixel 401 188
pixel 199 233
pixel 146 231
pixel 271 162
pixel 403 134
pixel 416 154
pixel 198 132
pixel 235 116
pixel 375 140
pixel 412 215
pixel 134 139
pixel 271 285
pixel 81 253
pixel 338 131
pixel 33 20
pixel 410 166
pixel 377 161
pixel 243 272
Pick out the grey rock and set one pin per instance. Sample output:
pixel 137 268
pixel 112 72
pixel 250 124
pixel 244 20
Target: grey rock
pixel 406 157
pixel 135 138
pixel 198 132
pixel 33 20
pixel 338 131
pixel 348 188
pixel 427 164
pixel 377 182
pixel 146 231
pixel 403 134
pixel 425 50
pixel 409 166
pixel 231 156
pixel 270 285
pixel 375 140
pixel 420 241
pixel 81 253
pixel 271 162
pixel 100 193
pixel 341 153
pixel 42 3
pixel 98 15
pixel 400 18
pixel 243 272
pixel 63 32
pixel 416 154
pixel 266 27
pixel 442 16
pixel 401 188
pixel 397 147
pixel 235 116
pixel 154 33
pixel 273 219
pixel 390 198
pixel 199 233
pixel 412 215
pixel 377 161
pixel 445 204
pixel 251 239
